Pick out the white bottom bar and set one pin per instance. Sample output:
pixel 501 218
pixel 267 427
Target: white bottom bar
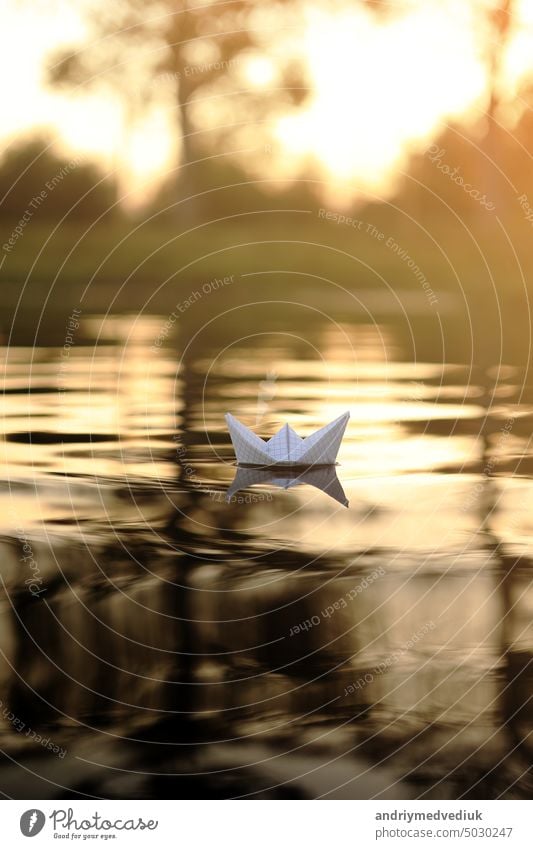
pixel 267 824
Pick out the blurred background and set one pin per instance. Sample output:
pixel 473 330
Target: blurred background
pixel 181 135
pixel 286 211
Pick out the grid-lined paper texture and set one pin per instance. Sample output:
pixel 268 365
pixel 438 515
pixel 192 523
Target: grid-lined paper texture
pixel 323 446
pixel 249 448
pixel 286 447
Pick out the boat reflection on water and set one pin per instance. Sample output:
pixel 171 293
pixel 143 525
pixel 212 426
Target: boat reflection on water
pixel 321 477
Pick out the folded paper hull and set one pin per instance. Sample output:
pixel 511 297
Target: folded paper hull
pixel 286 448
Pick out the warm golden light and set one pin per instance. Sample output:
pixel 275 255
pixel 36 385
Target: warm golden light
pixel 380 87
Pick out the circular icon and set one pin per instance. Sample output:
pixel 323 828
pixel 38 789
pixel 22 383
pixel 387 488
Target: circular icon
pixel 32 822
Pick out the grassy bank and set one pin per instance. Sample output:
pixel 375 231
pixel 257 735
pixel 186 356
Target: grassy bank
pixel 122 266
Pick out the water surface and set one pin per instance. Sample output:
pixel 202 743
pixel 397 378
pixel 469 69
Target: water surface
pixel 157 640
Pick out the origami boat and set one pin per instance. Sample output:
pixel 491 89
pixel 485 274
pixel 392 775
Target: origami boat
pixel 286 448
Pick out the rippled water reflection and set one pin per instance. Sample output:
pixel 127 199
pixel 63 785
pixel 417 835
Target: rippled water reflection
pixel 381 650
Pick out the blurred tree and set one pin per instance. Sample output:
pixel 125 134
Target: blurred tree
pixel 501 19
pixel 66 185
pixel 500 25
pixel 147 51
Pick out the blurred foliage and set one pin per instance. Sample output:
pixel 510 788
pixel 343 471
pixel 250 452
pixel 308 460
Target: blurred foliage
pixel 245 220
pixel 67 186
pixel 157 51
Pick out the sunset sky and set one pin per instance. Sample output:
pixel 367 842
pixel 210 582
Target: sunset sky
pixel 358 124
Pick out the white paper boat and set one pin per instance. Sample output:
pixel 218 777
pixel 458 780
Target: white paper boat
pixel 322 477
pixel 286 448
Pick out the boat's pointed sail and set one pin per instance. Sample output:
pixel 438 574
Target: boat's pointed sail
pixel 249 448
pixel 286 448
pixel 323 445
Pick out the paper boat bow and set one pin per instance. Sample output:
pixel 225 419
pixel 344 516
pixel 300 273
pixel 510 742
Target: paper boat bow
pixel 286 448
